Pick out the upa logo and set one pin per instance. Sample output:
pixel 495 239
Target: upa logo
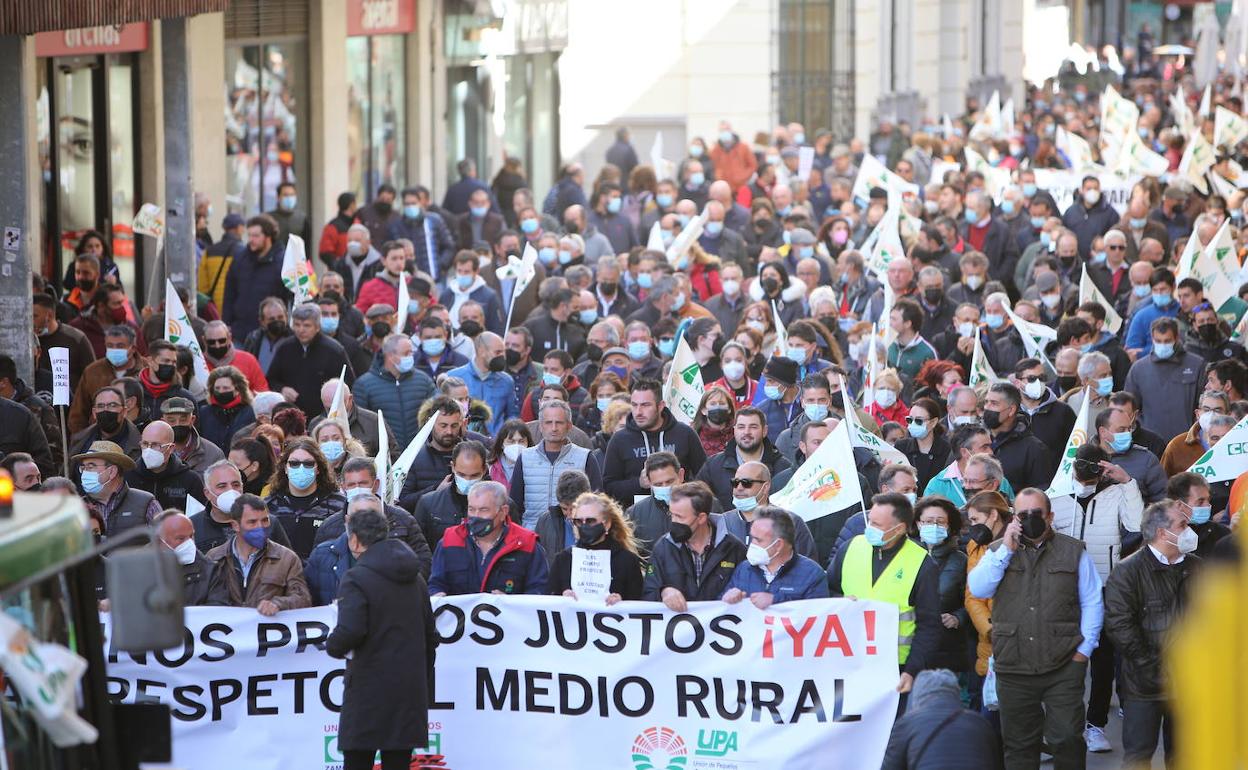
pixel 716 743
pixel 659 748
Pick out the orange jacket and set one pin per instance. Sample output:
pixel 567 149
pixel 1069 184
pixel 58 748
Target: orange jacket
pixel 734 166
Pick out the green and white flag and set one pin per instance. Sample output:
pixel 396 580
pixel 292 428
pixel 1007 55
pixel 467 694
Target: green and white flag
pixel 1089 293
pixel 888 246
pixel 981 370
pixel 178 331
pixel 382 461
pixel 1228 458
pixel 1198 157
pixel 1063 482
pixel 826 482
pixel 1229 129
pixel 684 388
pixel 398 471
pixel 1034 336
pixel 1215 266
pixel 860 436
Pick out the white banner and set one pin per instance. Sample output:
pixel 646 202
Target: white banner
pixel 684 387
pixel 1228 459
pixel 1064 187
pixel 548 682
pixel 60 375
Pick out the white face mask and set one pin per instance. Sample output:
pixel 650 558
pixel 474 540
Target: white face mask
pixel 973 282
pixel 885 398
pixel 734 370
pixel 512 452
pixel 1034 390
pixel 758 555
pixel 186 552
pixel 1185 542
pixel 226 500
pixel 1091 197
pixel 966 329
pixel 355 492
pixel 731 288
pixel 1051 300
pixel 153 458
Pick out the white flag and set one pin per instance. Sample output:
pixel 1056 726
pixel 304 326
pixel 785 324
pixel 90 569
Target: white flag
pixel 655 241
pixel 193 506
pixel 873 173
pixel 860 436
pixel 1211 266
pixel 826 482
pixel 398 471
pixel 981 370
pixel 297 273
pixel 1063 478
pixel 178 330
pixel 782 333
pixel 1089 293
pixel 382 461
pixel 149 220
pixel 1205 101
pixel 687 235
pixel 336 408
pixel 1228 459
pixel 873 367
pixel 888 246
pixel 1183 117
pixel 405 299
pixel 522 271
pixel 1198 157
pixel 1035 336
pixel 1135 157
pixel 1229 129
pixel 684 388
pixel 1076 149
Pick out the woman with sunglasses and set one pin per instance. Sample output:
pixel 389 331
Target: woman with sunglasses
pixel 600 525
pixel 925 447
pixel 303 493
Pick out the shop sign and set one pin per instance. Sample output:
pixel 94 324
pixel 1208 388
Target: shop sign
pixel 110 38
pixel 380 17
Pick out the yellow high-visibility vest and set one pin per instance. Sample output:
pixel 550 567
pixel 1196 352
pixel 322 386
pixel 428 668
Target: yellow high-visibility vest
pixel 894 585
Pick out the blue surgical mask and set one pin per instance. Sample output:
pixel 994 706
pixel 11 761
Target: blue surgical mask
pixel 1200 514
pixel 933 534
pixel 796 354
pixel 725 137
pixel 875 536
pixel 1120 442
pixel 1163 350
pixel 547 255
pixel 528 226
pixel 479 211
pixel 565 257
pixel 714 228
pixel 664 200
pixel 697 179
pixel 614 205
pixel 917 430
pixel 1141 291
pixel 550 379
pixel 588 316
pixel 1138 224
pixel 805 252
pixel 667 348
pixel 464 281
pixel 332 450
pixel 1098 257
pixel 1085 347
pixel 1162 300
pixel 1007 207
pixel 433 347
pixel 117 357
pixel 329 325
pixel 678 301
pixel 300 477
pixel 1029 189
pixel 645 280
pixel 288 202
pixel 663 494
pixel 412 211
pixel 816 412
pixel 1037 222
pixel 91 483
pixel 683 219
pixel 463 485
pixel 1045 239
pixel 745 504
pixel 773 392
pixel 602 403
pixel 971 216
pixel 406 363
pixel 638 350
pixel 994 320
pixel 256 538
pixel 1104 386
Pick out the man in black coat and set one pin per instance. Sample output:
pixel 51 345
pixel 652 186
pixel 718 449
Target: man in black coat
pixel 161 472
pixel 1051 420
pixel 385 622
pixel 305 360
pixel 749 443
pixel 1090 215
pixel 937 732
pixel 672 577
pixel 20 431
pixel 1026 461
pixel 448 506
pixel 650 427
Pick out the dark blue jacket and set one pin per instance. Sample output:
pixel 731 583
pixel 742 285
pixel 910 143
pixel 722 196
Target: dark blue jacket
pixel 449 360
pixel 219 425
pixel 398 399
pixel 429 228
pixel 799 578
pixel 428 469
pixel 326 566
pixel 779 415
pixel 490 304
pixel 516 565
pixel 250 280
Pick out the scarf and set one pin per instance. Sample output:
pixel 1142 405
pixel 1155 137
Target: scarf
pixel 461 295
pixel 154 389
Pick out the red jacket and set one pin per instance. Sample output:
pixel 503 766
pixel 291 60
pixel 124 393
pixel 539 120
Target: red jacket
pixel 705 282
pixel 333 243
pixel 750 387
pixel 896 413
pixel 250 367
pixel 375 291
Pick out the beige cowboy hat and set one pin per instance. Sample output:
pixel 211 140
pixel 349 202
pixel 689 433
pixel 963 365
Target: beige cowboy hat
pixel 109 453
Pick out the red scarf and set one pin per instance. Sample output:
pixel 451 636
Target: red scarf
pixel 154 389
pixel 238 400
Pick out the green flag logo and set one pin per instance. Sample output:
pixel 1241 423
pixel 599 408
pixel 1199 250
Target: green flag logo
pixel 689 373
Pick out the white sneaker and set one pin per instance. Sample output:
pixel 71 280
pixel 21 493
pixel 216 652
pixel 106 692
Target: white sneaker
pixel 1095 738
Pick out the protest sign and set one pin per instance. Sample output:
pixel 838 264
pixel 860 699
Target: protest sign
pixel 554 682
pixel 1226 459
pixel 1064 186
pixel 60 375
pixel 591 573
pixel 873 173
pixel 684 388
pixel 149 220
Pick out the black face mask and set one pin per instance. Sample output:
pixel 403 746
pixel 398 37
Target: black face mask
pixel 717 415
pixel 181 433
pixel 380 330
pixel 383 207
pixel 829 322
pixel 1209 332
pixel 680 532
pixel 218 352
pixel 933 296
pixel 571 228
pixel 478 527
pixel 1066 383
pixel 498 363
pixel 108 421
pixel 608 289
pixel 164 372
pixel 513 357
pixel 717 346
pixel 588 534
pixel 979 534
pixel 86 286
pixel 992 419
pixel 593 352
pixel 224 398
pixel 275 328
pixel 470 328
pixel 1034 527
pixel 770 285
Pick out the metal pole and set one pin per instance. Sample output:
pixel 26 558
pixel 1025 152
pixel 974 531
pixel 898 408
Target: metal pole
pixel 64 442
pixel 18 242
pixel 179 193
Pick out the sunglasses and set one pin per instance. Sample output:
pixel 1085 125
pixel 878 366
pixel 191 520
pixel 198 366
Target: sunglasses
pixel 1030 512
pixel 747 483
pixel 916 420
pixel 301 463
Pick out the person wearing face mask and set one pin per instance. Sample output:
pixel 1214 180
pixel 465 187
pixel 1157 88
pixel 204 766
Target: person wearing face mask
pixel 162 473
pixel 105 491
pixel 1161 305
pixel 1090 215
pixel 1050 419
pixel 1113 435
pixel 447 505
pixel 938 525
pixel 467 285
pixel 304 493
pixel 177 533
pixel 988 514
pixel 488 381
pixel 595 522
pixel 751 492
pixel 395 387
pixel 360 262
pixel 750 443
pixel 160 380
pixel 359 478
pixel 885 565
pixel 973 269
pixel 289 217
pixel 488 552
pixel 250 569
pixel 1167 381
pixel 779 403
pixel 1144 597
pixel 426 229
pixel 990 235
pixel 1047 614
pixel 886 404
pixel 223 484
pixel 1025 460
pixel 925 447
pixel 773 571
pixel 1207 335
pixel 1192 494
pixel 109 307
pixel 333 242
pixel 736 378
pixel 1186 448
pixel 478 224
pixel 696 557
pixel 608 219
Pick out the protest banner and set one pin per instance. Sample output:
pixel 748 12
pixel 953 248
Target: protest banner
pixel 1064 186
pixel 873 173
pixel 1228 458
pixel 554 682
pixel 178 330
pixel 298 276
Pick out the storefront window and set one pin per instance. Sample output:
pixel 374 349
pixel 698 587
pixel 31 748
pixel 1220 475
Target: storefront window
pixel 122 170
pixel 266 97
pixel 376 112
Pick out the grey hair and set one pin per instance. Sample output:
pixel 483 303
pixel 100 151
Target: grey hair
pixel 957 391
pixel 264 402
pixel 221 464
pixel 1156 518
pixel 215 325
pixel 613 334
pixel 663 287
pixel 555 403
pixel 992 466
pixel 578 273
pixel 1223 421
pixel 609 260
pixel 122 330
pixel 308 311
pixel 998 296
pixel 391 343
pixel 494 488
pixel 1219 396
pixel 1089 362
pixel 890 471
pixel 360 228
pixel 1117 234
pixel 449 381
pixel 369 525
pixel 365 501
pixel 931 270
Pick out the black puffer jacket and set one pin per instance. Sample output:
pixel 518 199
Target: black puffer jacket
pixel 302 516
pixel 1026 461
pixel 1143 600
pixel 937 732
pixel 630 446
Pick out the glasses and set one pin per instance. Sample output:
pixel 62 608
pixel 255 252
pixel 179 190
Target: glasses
pixel 108 407
pixel 917 420
pixel 154 445
pixel 747 483
pixel 1116 248
pixel 301 463
pixel 1029 512
pixel 1086 468
pixel 1031 378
